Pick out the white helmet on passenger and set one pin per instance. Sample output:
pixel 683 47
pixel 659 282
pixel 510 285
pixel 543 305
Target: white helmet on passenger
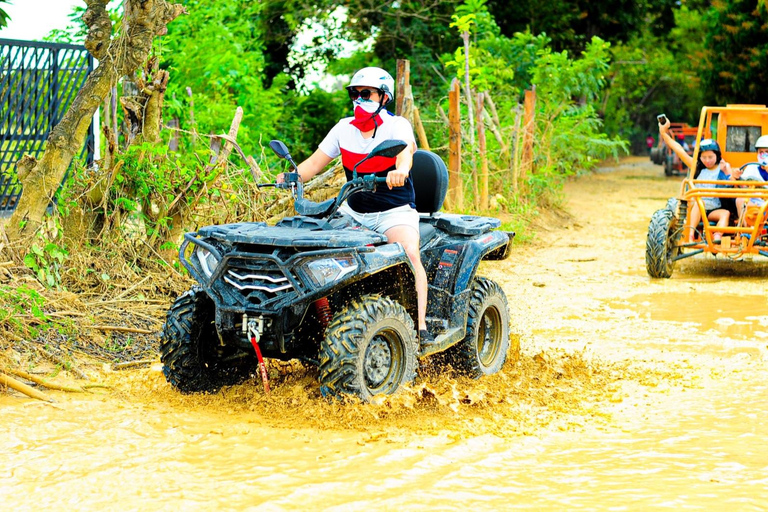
pixel 762 142
pixel 375 77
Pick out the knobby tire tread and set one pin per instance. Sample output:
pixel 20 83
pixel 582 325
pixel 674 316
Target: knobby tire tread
pixel 349 334
pixel 658 251
pixel 188 326
pixel 464 356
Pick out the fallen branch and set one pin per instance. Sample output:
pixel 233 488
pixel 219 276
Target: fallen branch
pixel 115 301
pixel 129 290
pixel 89 386
pixel 23 388
pixel 41 382
pixel 65 365
pixel 132 364
pixel 121 329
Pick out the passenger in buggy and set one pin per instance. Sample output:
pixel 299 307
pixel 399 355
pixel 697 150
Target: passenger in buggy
pixel 756 171
pixel 709 166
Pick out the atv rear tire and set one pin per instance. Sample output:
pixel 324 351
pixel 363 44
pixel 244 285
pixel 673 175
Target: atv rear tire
pixel 660 245
pixel 483 350
pixel 369 349
pixel 192 359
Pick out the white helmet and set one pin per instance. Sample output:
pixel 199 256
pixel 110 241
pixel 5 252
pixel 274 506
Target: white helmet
pixel 762 142
pixel 374 77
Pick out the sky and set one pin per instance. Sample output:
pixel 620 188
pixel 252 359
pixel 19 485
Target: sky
pixel 31 20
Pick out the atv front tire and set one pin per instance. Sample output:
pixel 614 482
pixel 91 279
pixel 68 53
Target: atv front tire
pixel 369 349
pixel 192 359
pixel 484 348
pixel 661 244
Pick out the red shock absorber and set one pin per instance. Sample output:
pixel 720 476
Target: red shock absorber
pixel 323 311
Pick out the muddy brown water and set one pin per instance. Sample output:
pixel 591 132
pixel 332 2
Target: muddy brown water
pixel 629 394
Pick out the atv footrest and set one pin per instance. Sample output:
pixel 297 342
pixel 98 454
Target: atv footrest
pixel 443 341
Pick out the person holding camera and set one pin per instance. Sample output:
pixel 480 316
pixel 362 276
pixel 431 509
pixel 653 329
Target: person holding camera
pixel 709 166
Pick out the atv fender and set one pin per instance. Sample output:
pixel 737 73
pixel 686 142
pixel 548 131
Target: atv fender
pixel 494 245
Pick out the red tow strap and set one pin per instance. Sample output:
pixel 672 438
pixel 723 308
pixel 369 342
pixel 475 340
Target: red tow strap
pixel 262 366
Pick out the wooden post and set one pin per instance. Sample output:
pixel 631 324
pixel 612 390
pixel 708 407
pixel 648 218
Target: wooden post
pixel 455 192
pixel 402 84
pixel 515 158
pixel 417 124
pixel 483 201
pixel 526 164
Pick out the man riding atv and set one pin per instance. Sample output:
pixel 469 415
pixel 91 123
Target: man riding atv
pixel 391 208
pixel 322 288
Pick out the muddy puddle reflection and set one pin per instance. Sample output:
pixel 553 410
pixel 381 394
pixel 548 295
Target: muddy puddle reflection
pixel 734 316
pixel 157 450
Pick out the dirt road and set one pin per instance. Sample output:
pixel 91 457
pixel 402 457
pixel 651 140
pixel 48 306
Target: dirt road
pixel 630 393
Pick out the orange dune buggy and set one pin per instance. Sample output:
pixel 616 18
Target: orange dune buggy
pixel 736 129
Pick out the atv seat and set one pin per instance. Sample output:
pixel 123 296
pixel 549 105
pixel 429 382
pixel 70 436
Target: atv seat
pixel 430 182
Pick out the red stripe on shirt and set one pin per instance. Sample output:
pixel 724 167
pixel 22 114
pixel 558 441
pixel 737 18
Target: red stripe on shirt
pixel 375 164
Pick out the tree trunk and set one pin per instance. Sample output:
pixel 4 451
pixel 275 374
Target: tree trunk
pixel 144 19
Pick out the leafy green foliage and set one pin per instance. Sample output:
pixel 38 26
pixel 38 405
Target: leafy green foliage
pixel 568 131
pixel 573 24
pixel 21 300
pixel 46 262
pixel 77 30
pixel 647 77
pixel 570 138
pixel 218 51
pixel 736 70
pixel 4 18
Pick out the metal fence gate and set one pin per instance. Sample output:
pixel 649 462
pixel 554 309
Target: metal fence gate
pixel 38 82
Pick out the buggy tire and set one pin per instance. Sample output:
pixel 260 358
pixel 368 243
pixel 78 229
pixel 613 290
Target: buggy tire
pixel 484 348
pixel 656 155
pixel 370 348
pixel 192 359
pixel 669 166
pixel 660 244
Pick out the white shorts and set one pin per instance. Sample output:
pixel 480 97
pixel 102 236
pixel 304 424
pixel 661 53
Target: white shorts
pixel 382 221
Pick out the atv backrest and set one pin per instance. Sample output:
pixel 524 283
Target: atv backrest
pixel 430 181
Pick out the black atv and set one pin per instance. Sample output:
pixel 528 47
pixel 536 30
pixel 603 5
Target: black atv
pixel 322 289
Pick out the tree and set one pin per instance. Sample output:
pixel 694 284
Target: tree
pixel 4 18
pixel 571 25
pixel 736 70
pixel 122 55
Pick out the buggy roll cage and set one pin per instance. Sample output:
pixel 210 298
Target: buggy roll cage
pixel 739 239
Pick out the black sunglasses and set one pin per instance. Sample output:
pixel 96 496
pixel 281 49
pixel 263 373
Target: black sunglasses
pixel 365 93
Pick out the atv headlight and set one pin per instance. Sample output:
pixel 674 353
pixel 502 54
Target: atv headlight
pixel 328 270
pixel 208 260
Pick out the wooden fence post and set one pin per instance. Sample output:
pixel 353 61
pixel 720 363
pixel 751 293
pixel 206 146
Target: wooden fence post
pixel 483 200
pixel 526 164
pixel 402 87
pixel 455 186
pixel 419 127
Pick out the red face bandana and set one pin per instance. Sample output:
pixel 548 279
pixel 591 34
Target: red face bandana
pixel 364 120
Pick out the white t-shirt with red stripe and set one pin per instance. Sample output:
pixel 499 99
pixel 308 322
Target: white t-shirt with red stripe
pixel 347 141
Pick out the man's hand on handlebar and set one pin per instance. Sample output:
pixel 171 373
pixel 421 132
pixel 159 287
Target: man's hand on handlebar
pixel 288 177
pixel 396 178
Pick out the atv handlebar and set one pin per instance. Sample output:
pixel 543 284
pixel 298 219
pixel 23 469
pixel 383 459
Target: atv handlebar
pixel 292 180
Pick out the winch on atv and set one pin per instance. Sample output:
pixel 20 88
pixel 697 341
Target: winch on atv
pixel 320 288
